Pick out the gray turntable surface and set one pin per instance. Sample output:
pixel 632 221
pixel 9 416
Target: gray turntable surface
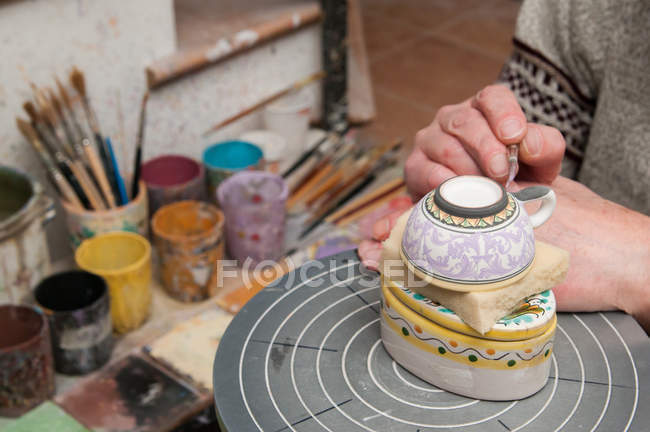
pixel 305 355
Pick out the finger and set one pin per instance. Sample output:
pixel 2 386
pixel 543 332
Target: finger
pixel 472 130
pixel 382 228
pixel 370 254
pixel 502 111
pixel 445 149
pixel 541 153
pixel 422 175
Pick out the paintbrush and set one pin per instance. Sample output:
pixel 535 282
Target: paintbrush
pixel 294 87
pixel 138 146
pixel 79 83
pixel 51 144
pixel 120 182
pixel 57 177
pixel 366 200
pixel 49 119
pixel 370 207
pixel 94 159
pixel 513 161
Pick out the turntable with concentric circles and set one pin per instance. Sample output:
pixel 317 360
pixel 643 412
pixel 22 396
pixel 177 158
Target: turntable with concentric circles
pixel 305 355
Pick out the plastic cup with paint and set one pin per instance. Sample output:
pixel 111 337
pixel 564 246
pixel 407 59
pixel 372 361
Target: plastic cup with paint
pixel 272 144
pixel 77 306
pixel 224 159
pixel 289 117
pixel 188 236
pixel 26 369
pixel 123 259
pixel 254 205
pixel 172 178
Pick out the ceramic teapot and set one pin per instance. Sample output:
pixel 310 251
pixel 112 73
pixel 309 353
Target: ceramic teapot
pixel 469 234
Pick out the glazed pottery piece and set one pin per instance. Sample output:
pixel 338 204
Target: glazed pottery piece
pixel 123 259
pixel 77 306
pixel 254 205
pixel 26 370
pixel 24 210
pixel 85 224
pixel 467 365
pixel 189 239
pixel 224 159
pixel 469 234
pixel 531 318
pixel 172 178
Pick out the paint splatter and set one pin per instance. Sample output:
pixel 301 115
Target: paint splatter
pixel 221 48
pixel 246 37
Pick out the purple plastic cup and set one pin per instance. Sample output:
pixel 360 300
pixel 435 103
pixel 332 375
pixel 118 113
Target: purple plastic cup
pixel 254 205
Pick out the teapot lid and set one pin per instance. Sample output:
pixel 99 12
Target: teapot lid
pixel 470 197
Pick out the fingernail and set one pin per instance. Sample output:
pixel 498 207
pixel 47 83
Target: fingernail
pixel 511 128
pixel 533 142
pixel 499 165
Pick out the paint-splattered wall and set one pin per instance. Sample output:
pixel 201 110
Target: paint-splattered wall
pixel 112 42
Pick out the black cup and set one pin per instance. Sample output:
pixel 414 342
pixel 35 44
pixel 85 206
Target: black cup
pixel 78 309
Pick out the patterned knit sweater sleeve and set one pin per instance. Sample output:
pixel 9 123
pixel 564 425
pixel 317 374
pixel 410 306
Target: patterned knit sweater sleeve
pixel 554 71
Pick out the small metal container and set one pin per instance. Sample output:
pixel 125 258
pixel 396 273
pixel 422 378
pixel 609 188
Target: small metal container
pixel 77 306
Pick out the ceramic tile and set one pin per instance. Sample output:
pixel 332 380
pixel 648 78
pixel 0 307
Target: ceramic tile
pixel 422 14
pixel 383 35
pixel 434 72
pixel 397 117
pixel 489 29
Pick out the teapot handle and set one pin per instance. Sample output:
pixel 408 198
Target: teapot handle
pixel 535 193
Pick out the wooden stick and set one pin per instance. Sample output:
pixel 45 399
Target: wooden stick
pixel 366 199
pixel 361 212
pixel 294 87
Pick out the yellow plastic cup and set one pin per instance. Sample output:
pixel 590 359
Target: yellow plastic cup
pixel 124 260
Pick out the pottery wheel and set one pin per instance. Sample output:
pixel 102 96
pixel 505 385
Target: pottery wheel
pixel 306 357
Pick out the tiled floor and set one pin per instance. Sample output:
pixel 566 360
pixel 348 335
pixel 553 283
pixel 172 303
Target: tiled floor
pixel 428 53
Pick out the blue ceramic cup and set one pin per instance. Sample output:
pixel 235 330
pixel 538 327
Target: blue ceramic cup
pixel 224 159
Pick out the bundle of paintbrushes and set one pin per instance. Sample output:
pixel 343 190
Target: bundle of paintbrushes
pixel 61 128
pixel 334 175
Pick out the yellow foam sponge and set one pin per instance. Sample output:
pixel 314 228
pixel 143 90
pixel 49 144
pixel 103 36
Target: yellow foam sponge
pixel 482 309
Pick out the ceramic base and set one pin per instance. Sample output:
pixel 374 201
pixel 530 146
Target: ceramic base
pixel 470 366
pixel 487 384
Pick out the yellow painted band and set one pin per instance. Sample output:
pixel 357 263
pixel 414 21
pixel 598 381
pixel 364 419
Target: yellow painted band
pixel 482 345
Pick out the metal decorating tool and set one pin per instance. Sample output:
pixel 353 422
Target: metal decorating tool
pixel 513 160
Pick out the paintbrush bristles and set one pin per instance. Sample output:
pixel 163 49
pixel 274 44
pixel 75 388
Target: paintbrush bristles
pixel 78 81
pixel 31 111
pixel 63 93
pixel 27 130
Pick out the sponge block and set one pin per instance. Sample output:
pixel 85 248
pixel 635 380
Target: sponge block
pixel 481 309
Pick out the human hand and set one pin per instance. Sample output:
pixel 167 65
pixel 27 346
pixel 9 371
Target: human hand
pixel 471 138
pixel 609 251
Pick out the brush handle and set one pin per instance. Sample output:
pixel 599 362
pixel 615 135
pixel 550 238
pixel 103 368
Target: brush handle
pixel 64 187
pixel 116 169
pixel 108 166
pixel 100 175
pixel 86 183
pixel 66 170
pixel 136 173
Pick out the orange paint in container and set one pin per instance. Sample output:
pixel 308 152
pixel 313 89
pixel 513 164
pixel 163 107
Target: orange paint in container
pixel 123 259
pixel 189 239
